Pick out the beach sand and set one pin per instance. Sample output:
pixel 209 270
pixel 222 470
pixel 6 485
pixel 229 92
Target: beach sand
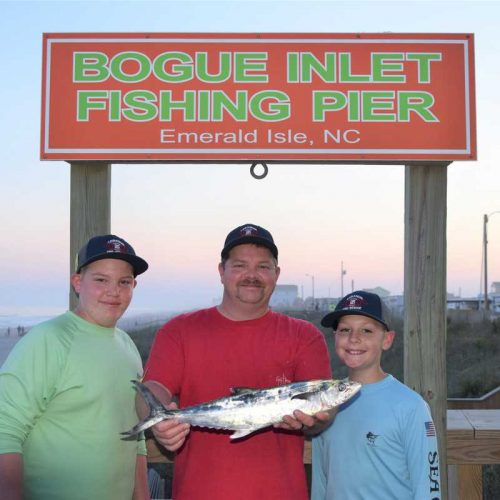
pixel 6 344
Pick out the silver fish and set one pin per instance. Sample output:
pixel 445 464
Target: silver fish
pixel 248 410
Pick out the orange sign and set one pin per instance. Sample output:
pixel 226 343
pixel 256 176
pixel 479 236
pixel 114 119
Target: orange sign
pixel 397 97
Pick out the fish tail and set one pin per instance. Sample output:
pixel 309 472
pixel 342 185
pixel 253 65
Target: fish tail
pixel 151 400
pixel 157 412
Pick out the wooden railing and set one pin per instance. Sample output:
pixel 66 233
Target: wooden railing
pixel 473 441
pixel 490 401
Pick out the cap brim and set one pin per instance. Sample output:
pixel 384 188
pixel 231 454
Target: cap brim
pixel 332 319
pixel 138 265
pixel 255 240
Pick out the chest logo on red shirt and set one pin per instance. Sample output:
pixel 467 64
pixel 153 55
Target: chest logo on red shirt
pixel 282 380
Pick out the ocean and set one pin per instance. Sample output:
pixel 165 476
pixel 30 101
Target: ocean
pixel 14 326
pixel 13 321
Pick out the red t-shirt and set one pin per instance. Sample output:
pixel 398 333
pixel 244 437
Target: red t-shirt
pixel 199 356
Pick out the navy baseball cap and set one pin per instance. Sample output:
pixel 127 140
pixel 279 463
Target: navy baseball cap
pixel 109 246
pixel 360 302
pixel 249 233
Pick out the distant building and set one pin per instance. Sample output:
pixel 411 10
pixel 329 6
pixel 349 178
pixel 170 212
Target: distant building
pixel 463 304
pixel 325 304
pixel 494 297
pixel 285 297
pixel 381 292
pixel 395 304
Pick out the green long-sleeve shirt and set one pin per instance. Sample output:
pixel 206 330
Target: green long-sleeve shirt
pixel 65 395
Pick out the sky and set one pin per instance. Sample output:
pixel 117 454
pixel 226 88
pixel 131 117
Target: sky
pixel 177 215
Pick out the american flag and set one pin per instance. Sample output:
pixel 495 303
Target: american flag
pixel 430 430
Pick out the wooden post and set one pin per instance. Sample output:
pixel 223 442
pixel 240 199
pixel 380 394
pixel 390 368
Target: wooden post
pixel 465 482
pixel 425 293
pixel 90 212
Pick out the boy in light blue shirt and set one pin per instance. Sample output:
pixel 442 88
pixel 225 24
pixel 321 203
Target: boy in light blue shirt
pixel 382 444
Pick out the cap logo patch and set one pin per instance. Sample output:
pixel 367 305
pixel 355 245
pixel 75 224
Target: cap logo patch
pixel 249 231
pixel 115 246
pixel 354 302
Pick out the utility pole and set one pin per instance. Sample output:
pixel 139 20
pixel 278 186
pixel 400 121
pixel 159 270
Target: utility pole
pixel 485 257
pixel 342 273
pixel 312 286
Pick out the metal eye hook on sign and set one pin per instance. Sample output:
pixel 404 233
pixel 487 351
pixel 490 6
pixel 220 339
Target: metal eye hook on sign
pixel 265 170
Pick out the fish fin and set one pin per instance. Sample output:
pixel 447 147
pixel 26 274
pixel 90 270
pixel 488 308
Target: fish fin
pixel 241 390
pixel 244 432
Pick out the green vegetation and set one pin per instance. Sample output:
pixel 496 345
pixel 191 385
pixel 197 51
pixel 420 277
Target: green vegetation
pixel 143 338
pixel 472 353
pixel 472 358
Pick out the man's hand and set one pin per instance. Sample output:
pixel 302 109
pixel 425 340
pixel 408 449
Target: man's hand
pixel 171 433
pixel 309 424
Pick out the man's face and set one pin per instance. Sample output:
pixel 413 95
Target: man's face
pixel 105 289
pixel 249 275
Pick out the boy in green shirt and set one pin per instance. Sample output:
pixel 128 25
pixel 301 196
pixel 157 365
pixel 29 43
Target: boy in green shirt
pixel 65 391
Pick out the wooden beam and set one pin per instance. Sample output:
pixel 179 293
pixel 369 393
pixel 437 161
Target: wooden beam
pixel 473 437
pixel 90 207
pixel 476 451
pixel 425 293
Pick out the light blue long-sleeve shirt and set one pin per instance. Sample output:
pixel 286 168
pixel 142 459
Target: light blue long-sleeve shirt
pixel 382 445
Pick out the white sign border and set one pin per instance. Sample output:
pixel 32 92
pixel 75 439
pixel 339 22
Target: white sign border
pixel 275 152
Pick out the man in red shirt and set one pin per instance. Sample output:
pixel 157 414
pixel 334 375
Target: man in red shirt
pixel 198 356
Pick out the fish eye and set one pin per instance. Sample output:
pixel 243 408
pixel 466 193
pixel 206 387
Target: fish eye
pixel 341 387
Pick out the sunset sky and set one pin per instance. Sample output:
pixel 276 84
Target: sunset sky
pixel 177 216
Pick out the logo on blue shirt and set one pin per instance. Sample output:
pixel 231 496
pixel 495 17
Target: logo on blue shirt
pixel 370 438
